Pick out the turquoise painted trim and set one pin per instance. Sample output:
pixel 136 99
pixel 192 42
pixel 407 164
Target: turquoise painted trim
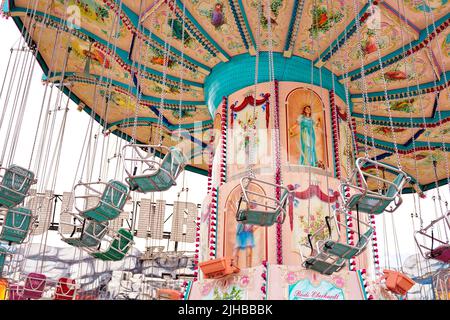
pixel 413 180
pixel 191 18
pixel 6 6
pixel 238 23
pixel 406 122
pixel 291 25
pixel 170 126
pixel 188 290
pixel 361 283
pixel 133 90
pixel 396 55
pixel 247 25
pixel 342 38
pixel 134 18
pixel 239 73
pixel 421 86
pixel 389 146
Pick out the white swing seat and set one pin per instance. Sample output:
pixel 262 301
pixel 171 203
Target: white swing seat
pixel 368 201
pixel 344 250
pixel 110 198
pixel 16 182
pixel 156 175
pixel 432 247
pixel 265 213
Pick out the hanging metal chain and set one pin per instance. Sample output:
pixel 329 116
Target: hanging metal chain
pixel 252 124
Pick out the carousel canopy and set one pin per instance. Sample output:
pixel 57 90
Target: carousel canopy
pixel 113 55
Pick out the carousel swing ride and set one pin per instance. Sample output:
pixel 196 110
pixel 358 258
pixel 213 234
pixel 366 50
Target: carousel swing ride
pixel 321 126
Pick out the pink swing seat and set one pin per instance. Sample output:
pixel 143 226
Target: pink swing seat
pixel 441 253
pixel 34 286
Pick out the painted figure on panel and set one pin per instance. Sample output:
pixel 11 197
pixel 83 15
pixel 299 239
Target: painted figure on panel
pixel 217 17
pixel 308 154
pixel 245 241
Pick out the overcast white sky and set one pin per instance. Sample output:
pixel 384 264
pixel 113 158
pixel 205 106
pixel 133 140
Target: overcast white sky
pixel 77 124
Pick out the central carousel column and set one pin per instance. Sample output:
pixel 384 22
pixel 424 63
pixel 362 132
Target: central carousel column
pixel 301 144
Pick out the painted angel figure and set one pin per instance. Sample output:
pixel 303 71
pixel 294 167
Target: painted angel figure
pixel 217 17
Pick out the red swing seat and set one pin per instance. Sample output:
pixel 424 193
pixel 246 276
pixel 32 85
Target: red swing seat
pixel 169 294
pixel 441 253
pixel 65 289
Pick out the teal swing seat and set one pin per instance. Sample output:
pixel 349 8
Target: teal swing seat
pixel 119 245
pixel 344 250
pixel 262 210
pixel 15 185
pixel 4 255
pixel 17 225
pixel 321 261
pixel 91 235
pixel 368 201
pixel 156 176
pixel 110 202
pixel 320 264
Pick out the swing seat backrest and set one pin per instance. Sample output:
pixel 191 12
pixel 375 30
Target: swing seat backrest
pixel 431 244
pixel 2 262
pixel 111 203
pixel 18 222
pixel 91 236
pixel 34 286
pixel 3 255
pixel 346 251
pixel 394 190
pixel 65 289
pixel 164 177
pixel 374 205
pixel 118 248
pixel 15 185
pixel 263 218
pixel 93 233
